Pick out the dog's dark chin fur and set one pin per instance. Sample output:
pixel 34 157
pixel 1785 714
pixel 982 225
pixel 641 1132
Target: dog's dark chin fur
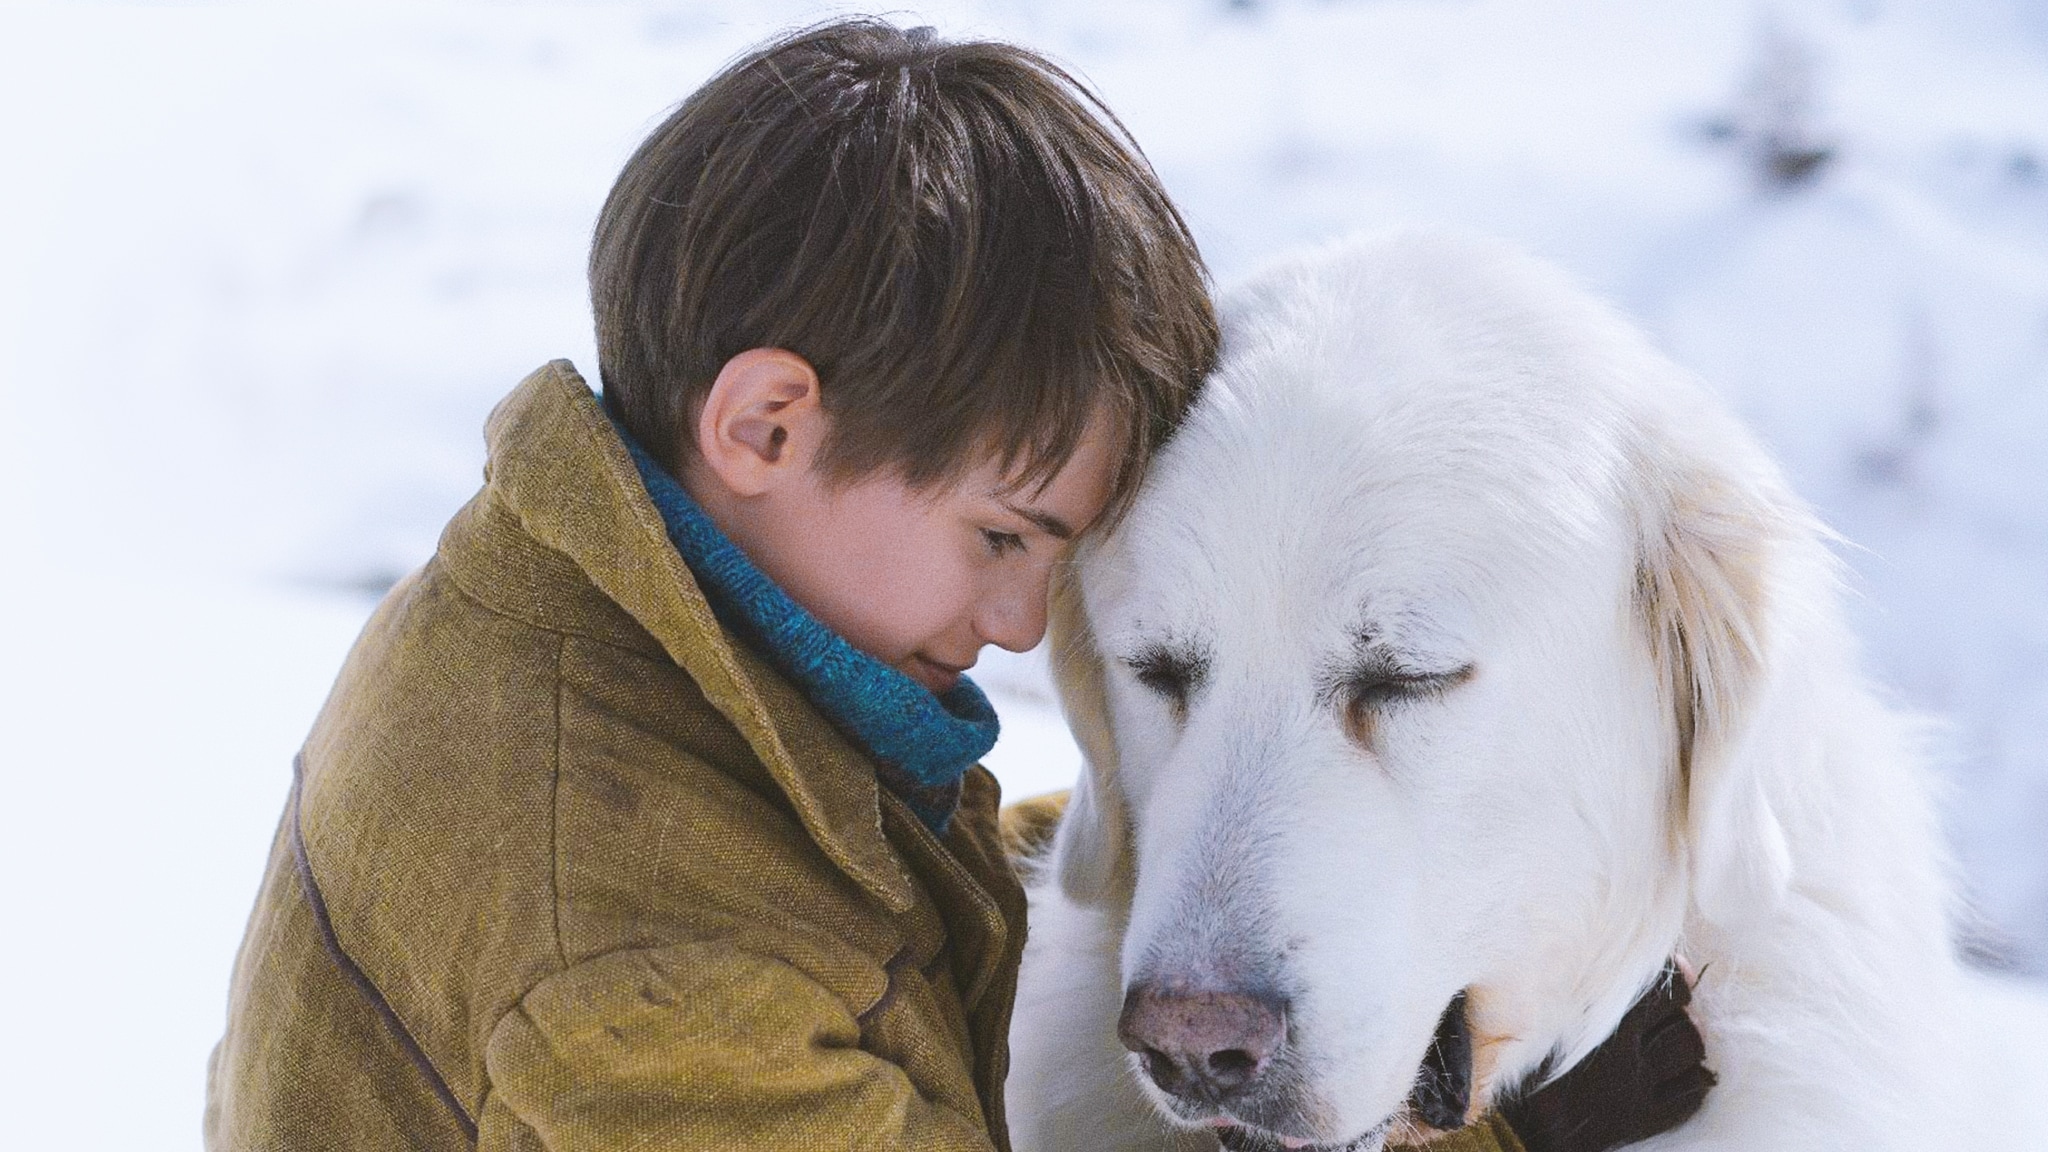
pixel 1443 1085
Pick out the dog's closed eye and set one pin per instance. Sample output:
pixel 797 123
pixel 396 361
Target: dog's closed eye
pixel 1170 672
pixel 1372 688
pixel 1368 690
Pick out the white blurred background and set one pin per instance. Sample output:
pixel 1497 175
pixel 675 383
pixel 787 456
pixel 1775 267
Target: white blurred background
pixel 263 272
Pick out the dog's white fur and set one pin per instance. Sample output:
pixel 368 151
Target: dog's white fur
pixel 1664 746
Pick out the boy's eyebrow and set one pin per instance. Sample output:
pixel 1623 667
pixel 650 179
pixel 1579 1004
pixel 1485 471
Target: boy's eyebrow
pixel 1050 524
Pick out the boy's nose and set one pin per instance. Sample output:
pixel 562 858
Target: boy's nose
pixel 1013 616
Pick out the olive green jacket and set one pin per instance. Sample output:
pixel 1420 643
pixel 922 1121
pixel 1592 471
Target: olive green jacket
pixel 565 867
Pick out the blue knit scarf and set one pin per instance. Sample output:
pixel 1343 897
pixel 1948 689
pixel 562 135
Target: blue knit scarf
pixel 922 744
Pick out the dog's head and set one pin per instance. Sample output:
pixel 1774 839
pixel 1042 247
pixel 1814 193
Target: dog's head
pixel 1412 690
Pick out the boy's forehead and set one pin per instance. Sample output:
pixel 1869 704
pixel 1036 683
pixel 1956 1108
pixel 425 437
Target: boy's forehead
pixel 1065 500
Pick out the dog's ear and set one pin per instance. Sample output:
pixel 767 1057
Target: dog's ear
pixel 1704 591
pixel 1093 848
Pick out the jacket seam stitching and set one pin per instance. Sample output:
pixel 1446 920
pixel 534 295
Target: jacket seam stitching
pixel 555 808
pixel 354 973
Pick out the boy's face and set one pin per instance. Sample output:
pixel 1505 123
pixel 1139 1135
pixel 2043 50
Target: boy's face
pixel 918 579
pixel 921 580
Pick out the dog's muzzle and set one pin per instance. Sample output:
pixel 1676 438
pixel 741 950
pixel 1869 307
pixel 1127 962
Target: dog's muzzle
pixel 1212 1051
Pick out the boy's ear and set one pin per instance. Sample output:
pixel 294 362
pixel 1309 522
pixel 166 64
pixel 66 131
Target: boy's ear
pixel 761 421
pixel 1093 848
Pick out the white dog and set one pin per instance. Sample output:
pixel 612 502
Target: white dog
pixel 1461 660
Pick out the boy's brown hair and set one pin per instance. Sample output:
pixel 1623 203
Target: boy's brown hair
pixel 960 238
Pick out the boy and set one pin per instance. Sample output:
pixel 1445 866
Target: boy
pixel 646 815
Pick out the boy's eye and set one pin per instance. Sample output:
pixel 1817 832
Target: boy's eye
pixel 1002 543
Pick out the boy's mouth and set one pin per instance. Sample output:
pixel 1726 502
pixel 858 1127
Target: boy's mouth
pixel 934 675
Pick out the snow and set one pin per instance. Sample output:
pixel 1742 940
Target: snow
pixel 152 725
pixel 263 271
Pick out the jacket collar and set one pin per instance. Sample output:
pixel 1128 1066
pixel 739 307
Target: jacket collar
pixel 561 468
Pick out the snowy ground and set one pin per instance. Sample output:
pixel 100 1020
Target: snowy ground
pixel 263 272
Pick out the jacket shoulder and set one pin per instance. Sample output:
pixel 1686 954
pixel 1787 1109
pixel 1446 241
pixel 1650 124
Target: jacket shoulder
pixel 425 811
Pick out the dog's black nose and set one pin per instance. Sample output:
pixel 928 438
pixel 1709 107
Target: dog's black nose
pixel 1202 1044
